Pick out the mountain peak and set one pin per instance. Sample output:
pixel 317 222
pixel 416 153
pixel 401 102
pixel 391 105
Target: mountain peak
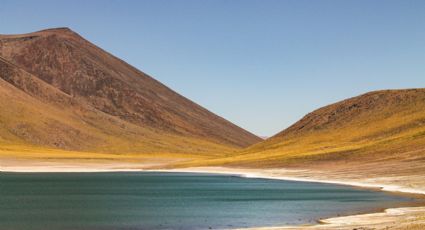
pixel 56 30
pixel 62 59
pixel 60 31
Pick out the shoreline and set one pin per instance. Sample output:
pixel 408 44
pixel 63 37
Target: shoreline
pixel 377 220
pixel 339 222
pixel 262 174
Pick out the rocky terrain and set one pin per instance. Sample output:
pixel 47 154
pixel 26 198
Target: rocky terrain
pixel 64 92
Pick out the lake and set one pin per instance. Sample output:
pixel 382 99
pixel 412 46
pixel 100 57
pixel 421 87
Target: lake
pixel 157 200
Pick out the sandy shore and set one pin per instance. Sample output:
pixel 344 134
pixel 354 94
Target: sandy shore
pixel 395 218
pixel 305 176
pixel 29 165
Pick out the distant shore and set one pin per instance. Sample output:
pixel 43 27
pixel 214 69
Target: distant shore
pixel 397 218
pixel 380 220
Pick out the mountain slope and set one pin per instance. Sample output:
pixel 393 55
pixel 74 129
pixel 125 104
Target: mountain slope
pixel 376 126
pixel 37 114
pixel 70 94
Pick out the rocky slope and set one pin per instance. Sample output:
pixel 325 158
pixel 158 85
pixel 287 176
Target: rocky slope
pixel 68 93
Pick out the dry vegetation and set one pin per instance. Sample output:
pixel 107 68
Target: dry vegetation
pixel 381 126
pixel 59 91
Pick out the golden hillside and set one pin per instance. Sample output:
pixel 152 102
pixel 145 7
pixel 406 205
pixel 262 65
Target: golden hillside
pixel 377 126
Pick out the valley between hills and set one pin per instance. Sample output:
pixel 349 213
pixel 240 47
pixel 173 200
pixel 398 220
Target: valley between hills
pixel 68 105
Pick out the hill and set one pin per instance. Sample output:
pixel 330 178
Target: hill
pixel 379 126
pixel 61 91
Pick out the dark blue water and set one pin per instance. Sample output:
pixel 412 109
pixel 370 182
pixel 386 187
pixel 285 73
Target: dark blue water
pixel 172 201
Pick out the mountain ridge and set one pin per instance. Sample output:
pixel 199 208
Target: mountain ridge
pixel 93 79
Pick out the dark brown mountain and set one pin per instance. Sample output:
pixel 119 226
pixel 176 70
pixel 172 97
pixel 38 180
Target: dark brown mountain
pixel 109 99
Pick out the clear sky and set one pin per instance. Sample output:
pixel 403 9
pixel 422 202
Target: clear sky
pixel 261 64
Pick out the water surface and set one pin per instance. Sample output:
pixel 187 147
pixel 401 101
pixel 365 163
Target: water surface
pixel 150 200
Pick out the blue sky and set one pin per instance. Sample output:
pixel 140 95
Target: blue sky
pixel 261 64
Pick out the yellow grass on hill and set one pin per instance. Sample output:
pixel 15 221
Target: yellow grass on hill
pixel 377 126
pixel 25 119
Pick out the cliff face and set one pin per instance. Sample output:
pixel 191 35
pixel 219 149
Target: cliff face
pixel 63 70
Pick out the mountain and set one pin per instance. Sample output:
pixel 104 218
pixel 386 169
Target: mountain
pixel 376 126
pixel 61 91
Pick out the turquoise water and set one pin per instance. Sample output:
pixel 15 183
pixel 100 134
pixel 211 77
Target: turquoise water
pixel 150 200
